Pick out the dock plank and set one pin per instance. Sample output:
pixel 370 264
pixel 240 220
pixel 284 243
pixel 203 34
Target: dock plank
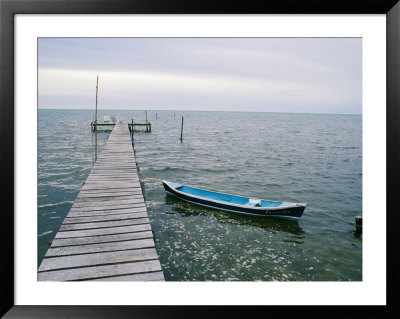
pixel 108 207
pixel 108 200
pixel 101 218
pixel 148 276
pixel 103 258
pixel 110 192
pixel 59 242
pixel 100 247
pixel 103 224
pixel 81 213
pixel 98 187
pixel 84 198
pixel 103 231
pixel 134 271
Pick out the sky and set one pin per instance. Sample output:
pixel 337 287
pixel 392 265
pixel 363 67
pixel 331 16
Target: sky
pixel 294 75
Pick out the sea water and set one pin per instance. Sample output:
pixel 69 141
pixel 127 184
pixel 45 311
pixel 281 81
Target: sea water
pixel 311 158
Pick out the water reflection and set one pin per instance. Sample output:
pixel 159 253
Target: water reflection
pixel 271 223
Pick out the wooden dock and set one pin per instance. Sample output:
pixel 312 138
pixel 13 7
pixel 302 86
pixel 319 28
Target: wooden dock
pixel 133 127
pixel 106 235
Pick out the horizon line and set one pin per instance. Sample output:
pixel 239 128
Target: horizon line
pixel 172 110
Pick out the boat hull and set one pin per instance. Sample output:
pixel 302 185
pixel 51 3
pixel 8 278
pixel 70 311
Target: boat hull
pixel 292 213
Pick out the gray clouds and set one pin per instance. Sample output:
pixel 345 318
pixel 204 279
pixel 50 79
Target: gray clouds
pixel 320 75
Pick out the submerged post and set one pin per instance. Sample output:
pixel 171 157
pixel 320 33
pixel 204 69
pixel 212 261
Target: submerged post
pixel 182 129
pixel 95 123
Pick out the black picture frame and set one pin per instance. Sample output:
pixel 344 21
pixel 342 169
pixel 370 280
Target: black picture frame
pixel 8 10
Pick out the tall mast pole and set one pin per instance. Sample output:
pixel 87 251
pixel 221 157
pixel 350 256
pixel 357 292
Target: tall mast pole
pixel 95 125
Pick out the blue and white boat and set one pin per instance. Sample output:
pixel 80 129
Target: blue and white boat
pixel 234 203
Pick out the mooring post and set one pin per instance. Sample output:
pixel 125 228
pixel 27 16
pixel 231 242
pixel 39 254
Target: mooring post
pixel 146 115
pixel 95 124
pixel 133 144
pixel 182 129
pixel 358 225
pixel 156 116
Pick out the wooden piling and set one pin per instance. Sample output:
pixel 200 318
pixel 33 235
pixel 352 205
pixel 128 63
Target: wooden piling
pixel 132 140
pixel 95 123
pixel 358 220
pixel 182 130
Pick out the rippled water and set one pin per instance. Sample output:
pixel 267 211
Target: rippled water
pixel 309 158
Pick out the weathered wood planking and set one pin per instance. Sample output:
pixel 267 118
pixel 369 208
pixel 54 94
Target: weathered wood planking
pixel 138 271
pixel 106 235
pixel 101 239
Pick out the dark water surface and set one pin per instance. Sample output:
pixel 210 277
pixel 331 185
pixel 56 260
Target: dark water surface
pixel 312 158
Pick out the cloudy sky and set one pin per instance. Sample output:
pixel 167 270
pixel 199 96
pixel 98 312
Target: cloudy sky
pixel 317 75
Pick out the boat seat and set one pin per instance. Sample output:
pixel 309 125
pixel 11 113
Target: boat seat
pixel 254 202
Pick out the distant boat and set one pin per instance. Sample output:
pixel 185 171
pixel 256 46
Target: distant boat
pixel 234 203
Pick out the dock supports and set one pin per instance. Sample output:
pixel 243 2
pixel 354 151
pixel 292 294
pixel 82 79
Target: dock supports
pixel 148 127
pixel 132 127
